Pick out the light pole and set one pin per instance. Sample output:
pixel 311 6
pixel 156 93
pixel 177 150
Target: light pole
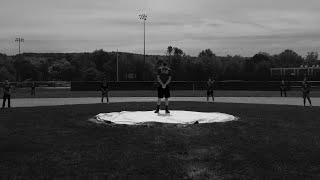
pixel 19 40
pixel 144 18
pixel 117 67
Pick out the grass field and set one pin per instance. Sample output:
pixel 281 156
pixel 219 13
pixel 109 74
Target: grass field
pixel 269 141
pixel 64 93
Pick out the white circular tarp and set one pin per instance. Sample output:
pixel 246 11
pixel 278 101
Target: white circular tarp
pixel 175 117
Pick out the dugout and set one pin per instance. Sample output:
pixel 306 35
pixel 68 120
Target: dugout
pixel 313 73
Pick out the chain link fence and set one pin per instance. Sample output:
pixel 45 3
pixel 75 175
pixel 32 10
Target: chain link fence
pixel 64 89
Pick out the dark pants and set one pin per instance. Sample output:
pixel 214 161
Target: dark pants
pixel 209 93
pixel 104 94
pixel 306 95
pixel 283 91
pixel 5 97
pixel 163 92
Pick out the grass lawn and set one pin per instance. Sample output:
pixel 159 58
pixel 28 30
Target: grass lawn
pixel 269 141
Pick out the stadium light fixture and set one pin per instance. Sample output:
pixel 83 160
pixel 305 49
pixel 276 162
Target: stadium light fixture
pixel 19 40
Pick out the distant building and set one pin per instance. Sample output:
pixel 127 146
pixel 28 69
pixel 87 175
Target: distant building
pixel 298 72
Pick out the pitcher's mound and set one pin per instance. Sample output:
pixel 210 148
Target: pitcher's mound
pixel 175 117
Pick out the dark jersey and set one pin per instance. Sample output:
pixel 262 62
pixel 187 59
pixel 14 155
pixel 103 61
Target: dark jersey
pixel 6 87
pixel 33 86
pixel 164 73
pixel 282 86
pixel 104 86
pixel 210 86
pixel 305 87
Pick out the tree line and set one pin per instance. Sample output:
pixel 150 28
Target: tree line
pixel 96 65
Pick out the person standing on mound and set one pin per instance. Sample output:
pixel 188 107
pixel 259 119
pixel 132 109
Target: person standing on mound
pixel 6 93
pixel 210 84
pixel 164 78
pixel 104 90
pixel 305 87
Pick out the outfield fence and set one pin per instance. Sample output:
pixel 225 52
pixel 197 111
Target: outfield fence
pixel 44 84
pixel 190 85
pixel 174 85
pixel 64 89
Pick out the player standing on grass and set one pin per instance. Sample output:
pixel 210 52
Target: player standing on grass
pixel 33 89
pixel 6 93
pixel 210 84
pixel 283 88
pixel 104 90
pixel 305 87
pixel 164 78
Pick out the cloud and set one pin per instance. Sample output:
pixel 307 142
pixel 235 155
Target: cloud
pixel 225 26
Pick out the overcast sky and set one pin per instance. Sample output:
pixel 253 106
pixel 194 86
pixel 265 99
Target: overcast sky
pixel 242 27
